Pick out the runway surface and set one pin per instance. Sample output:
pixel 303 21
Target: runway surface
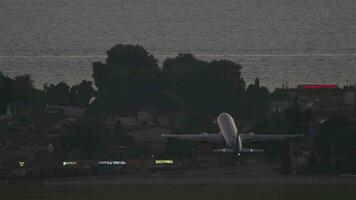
pixel 229 176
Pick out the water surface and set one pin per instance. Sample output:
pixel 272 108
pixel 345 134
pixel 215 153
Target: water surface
pixel 294 41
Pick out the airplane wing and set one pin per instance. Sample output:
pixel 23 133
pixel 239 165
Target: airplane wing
pixel 214 137
pixel 251 137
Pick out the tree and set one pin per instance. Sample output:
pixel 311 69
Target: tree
pixel 280 94
pixel 298 121
pixel 109 79
pixel 81 94
pixel 256 101
pixel 182 66
pixel 146 88
pixel 131 57
pixel 121 60
pixel 334 131
pixel 89 136
pixel 19 89
pixel 205 87
pixel 345 142
pixel 57 94
pixel 62 94
pixel 5 92
pixel 130 77
pixel 170 101
pixel 23 90
pixel 228 87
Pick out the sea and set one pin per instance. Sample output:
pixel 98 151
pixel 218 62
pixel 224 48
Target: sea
pixel 282 42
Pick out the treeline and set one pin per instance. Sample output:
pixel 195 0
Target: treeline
pixel 131 77
pixel 21 89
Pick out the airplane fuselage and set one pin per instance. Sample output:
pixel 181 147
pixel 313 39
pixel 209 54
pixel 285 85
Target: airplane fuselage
pixel 229 131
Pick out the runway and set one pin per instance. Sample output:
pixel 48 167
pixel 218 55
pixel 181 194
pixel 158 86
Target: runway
pixel 288 180
pixel 223 183
pixel 246 175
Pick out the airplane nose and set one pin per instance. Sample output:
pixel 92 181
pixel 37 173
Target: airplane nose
pixel 224 116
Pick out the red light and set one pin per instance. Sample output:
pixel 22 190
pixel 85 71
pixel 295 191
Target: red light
pixel 323 86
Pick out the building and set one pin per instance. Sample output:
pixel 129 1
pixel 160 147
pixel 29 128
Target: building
pixel 113 119
pixel 145 117
pixel 22 109
pixel 317 97
pixel 68 111
pixel 278 106
pixel 324 100
pixel 150 136
pixel 171 118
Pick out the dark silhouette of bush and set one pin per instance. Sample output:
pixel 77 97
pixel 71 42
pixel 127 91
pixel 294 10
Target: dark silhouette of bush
pixel 335 134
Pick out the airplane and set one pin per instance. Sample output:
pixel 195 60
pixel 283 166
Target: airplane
pixel 230 136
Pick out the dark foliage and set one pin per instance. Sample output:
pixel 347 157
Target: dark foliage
pixel 88 136
pixel 19 89
pixel 336 135
pixel 61 94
